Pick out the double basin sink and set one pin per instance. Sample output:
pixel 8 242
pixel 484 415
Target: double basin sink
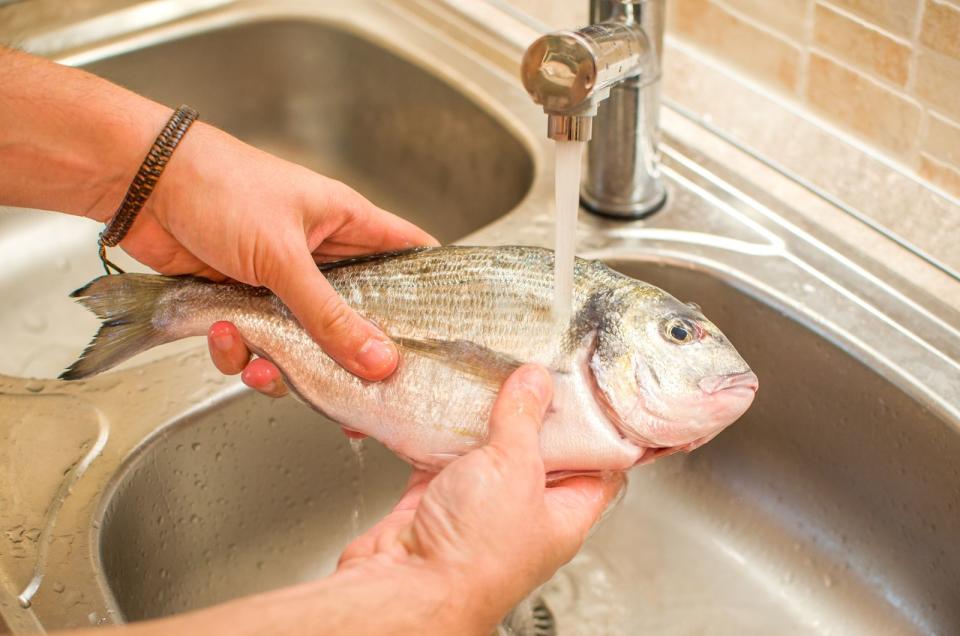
pixel 832 506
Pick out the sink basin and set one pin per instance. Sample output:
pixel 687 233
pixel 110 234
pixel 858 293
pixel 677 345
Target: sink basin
pixel 832 507
pixel 831 504
pixel 250 496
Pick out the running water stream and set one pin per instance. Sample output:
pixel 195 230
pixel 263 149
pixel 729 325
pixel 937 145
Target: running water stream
pixel 567 193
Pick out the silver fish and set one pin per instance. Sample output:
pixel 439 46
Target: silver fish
pixel 637 374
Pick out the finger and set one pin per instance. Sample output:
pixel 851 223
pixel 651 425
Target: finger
pixel 227 349
pixel 265 377
pixel 354 343
pixel 575 504
pixel 380 538
pixel 418 478
pixel 352 434
pixel 518 412
pixel 386 531
pixel 364 227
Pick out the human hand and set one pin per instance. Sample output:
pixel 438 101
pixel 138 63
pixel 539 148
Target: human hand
pixel 231 356
pixel 226 210
pixel 488 523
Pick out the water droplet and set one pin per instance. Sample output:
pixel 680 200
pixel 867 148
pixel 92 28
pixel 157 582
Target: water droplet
pixel 34 386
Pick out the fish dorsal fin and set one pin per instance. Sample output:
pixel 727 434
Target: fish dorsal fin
pixel 370 258
pixel 489 366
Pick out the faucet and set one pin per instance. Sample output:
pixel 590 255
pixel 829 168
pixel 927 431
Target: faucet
pixel 601 84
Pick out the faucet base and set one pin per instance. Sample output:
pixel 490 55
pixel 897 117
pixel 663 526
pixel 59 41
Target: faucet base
pixel 652 202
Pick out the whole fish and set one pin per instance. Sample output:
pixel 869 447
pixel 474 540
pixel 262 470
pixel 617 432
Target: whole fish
pixel 637 373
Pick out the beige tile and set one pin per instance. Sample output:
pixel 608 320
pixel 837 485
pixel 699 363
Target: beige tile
pixel 896 16
pixel 938 82
pixel 757 52
pixel 940 174
pixel 942 140
pixel 872 111
pixel 861 46
pixel 788 17
pixel 941 27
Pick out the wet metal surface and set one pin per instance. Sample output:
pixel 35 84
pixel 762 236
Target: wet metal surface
pixel 832 507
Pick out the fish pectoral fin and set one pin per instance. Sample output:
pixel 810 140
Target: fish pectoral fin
pixel 490 367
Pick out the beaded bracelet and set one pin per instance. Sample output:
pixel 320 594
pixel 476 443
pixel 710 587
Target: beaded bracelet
pixel 144 182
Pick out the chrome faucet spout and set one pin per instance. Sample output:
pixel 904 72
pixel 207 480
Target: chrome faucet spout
pixel 601 84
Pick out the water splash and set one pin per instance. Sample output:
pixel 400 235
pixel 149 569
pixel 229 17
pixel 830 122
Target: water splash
pixel 359 453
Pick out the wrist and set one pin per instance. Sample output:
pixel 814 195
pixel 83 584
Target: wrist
pixel 413 596
pixel 126 141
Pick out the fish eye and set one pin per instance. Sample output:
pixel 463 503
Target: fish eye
pixel 680 331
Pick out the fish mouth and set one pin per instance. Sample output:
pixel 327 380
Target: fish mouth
pixel 722 400
pixel 740 382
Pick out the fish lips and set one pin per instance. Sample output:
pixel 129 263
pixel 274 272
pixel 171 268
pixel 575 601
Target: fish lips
pixel 742 382
pixel 721 400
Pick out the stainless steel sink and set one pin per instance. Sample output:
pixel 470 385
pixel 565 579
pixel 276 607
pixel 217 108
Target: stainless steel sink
pixel 833 506
pixel 810 512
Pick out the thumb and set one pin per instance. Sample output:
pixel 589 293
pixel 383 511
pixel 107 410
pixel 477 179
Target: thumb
pixel 575 504
pixel 344 335
pixel 519 410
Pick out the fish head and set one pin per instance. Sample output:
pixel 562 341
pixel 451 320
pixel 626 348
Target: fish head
pixel 668 377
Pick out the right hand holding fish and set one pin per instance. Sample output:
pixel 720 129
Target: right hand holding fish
pixel 227 210
pixel 489 513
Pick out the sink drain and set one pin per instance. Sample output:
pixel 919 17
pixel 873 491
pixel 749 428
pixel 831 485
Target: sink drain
pixel 532 617
pixel 542 618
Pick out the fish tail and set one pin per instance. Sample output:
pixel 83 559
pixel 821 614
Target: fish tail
pixel 128 305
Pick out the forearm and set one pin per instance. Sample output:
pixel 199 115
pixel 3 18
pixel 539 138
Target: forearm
pixel 69 141
pixel 370 600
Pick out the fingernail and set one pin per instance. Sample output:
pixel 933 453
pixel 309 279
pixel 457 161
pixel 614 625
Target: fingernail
pixel 223 341
pixel 537 381
pixel 376 356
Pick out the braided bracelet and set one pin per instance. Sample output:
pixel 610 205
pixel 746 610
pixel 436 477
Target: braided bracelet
pixel 144 182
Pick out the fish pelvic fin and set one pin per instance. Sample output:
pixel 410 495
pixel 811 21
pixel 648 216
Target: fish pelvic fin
pixel 490 367
pixel 127 305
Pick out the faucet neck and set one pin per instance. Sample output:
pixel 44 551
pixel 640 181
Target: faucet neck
pixel 622 177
